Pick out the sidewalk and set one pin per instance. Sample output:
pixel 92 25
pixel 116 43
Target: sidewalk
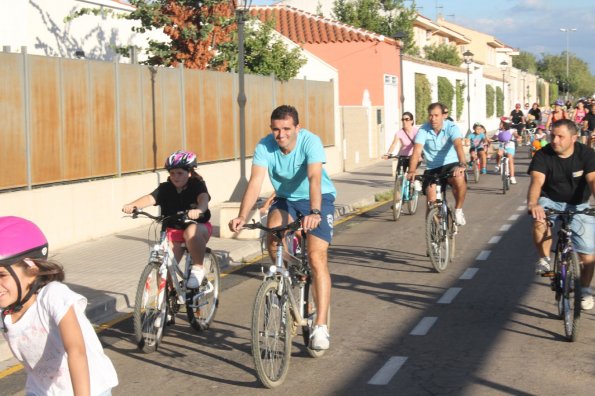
pixel 106 270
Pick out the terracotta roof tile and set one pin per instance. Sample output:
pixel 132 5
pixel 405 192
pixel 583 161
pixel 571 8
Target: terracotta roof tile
pixel 303 27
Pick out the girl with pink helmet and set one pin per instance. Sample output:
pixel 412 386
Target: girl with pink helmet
pixel 184 190
pixel 44 321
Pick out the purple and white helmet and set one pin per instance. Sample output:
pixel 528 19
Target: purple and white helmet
pixel 19 239
pixel 181 159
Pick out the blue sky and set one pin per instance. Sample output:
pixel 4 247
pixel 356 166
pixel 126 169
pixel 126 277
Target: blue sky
pixel 529 25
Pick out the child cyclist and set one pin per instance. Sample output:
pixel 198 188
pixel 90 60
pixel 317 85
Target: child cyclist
pixel 44 321
pixel 184 190
pixel 478 142
pixel 506 136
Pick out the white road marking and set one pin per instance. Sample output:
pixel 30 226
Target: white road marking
pixel 469 273
pixel 514 217
pixel 521 208
pixel 424 326
pixel 388 371
pixel 494 240
pixel 483 255
pixel 505 227
pixel 449 295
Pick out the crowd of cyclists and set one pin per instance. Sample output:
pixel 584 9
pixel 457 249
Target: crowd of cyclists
pixel 562 175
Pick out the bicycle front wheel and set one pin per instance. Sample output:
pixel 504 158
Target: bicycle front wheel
pixel 413 197
pixel 504 177
pixel 202 303
pixel 437 241
pixel 271 334
pixel 150 308
pixel 397 197
pixel 571 298
pixel 310 315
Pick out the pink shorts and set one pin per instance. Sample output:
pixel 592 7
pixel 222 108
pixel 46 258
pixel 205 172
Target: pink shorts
pixel 175 235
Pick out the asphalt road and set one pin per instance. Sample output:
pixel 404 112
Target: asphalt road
pixel 485 326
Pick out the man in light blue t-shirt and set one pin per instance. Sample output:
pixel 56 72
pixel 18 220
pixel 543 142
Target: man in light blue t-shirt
pixel 293 158
pixel 440 140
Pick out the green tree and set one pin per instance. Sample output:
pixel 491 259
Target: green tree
pixel 443 53
pixel 203 35
pixel 580 80
pixel 264 54
pixel 446 92
pixel 423 97
pixel 383 17
pixel 499 102
pixel 489 101
pixel 525 61
pixel 460 100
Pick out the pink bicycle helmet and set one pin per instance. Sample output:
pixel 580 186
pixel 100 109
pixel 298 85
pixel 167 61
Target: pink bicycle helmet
pixel 20 239
pixel 181 159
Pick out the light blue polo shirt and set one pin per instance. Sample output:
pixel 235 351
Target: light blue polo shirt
pixel 439 148
pixel 289 172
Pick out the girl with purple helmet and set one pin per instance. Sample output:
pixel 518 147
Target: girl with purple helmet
pixel 44 321
pixel 184 190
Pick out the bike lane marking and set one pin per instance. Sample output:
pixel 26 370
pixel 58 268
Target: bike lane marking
pixel 469 273
pixel 505 227
pixel 449 295
pixel 483 255
pixel 494 240
pixel 514 217
pixel 424 326
pixel 388 371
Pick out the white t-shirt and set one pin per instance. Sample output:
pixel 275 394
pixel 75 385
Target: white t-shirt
pixel 35 341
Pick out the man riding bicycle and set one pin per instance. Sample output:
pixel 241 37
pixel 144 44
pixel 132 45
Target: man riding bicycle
pixel 517 118
pixel 441 142
pixel 562 173
pixel 293 158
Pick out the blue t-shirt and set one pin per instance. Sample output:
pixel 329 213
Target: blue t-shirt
pixel 476 140
pixel 289 172
pixel 439 148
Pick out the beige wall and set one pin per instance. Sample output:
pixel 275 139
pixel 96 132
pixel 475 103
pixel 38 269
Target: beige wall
pixel 362 136
pixel 81 211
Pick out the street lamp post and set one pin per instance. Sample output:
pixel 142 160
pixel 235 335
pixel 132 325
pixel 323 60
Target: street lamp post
pixel 503 66
pixel 401 36
pixel 567 31
pixel 468 57
pixel 241 12
pixel 524 75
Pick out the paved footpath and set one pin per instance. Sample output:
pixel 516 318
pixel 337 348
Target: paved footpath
pixel 106 270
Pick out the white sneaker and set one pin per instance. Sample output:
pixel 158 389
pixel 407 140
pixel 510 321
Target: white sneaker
pixel 587 299
pixel 320 338
pixel 512 180
pixel 543 266
pixel 497 168
pixel 460 217
pixel 195 278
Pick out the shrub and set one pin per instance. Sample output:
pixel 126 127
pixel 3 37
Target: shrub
pixel 499 102
pixel 489 101
pixel 423 97
pixel 459 90
pixel 446 92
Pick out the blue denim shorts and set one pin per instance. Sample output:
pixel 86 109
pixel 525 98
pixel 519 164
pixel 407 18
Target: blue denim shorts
pixel 325 230
pixel 582 226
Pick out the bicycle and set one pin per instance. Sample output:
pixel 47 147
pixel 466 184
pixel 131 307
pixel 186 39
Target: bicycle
pixel 441 228
pixel 403 191
pixel 475 167
pixel 505 174
pixel 565 277
pixel 162 291
pixel 283 303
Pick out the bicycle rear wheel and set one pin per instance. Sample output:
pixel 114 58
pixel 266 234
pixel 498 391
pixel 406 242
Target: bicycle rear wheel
pixel 397 197
pixel 436 241
pixel 310 315
pixel 202 303
pixel 271 334
pixel 571 298
pixel 150 308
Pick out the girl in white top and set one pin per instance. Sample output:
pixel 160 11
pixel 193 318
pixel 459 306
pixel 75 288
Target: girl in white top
pixel 44 321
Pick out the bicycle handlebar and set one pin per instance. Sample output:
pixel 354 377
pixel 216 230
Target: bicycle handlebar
pixel 587 211
pixel 181 215
pixel 294 226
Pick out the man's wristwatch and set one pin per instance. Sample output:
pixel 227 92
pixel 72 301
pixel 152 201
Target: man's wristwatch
pixel 315 212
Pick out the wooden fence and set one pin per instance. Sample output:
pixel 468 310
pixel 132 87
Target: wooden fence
pixel 69 119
